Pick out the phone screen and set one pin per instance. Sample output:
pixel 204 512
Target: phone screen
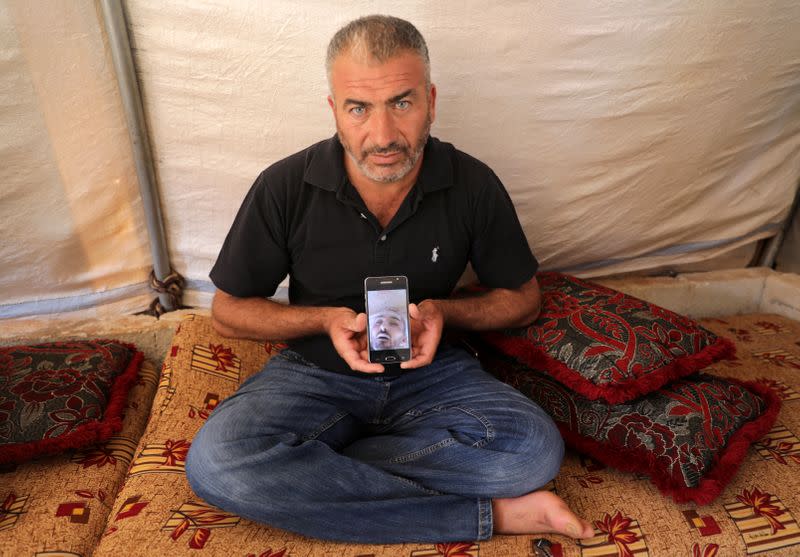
pixel 388 319
pixel 387 314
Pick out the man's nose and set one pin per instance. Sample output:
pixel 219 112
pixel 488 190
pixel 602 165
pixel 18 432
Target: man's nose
pixel 384 129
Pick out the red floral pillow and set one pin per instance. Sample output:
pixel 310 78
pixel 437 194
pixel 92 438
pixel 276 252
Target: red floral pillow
pixel 605 344
pixel 62 395
pixel 689 437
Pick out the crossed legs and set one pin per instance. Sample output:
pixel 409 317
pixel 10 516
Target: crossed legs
pixel 443 453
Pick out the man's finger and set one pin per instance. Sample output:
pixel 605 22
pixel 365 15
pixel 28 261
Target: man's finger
pixel 421 358
pixel 358 324
pixel 366 367
pixel 356 361
pixel 413 311
pixel 417 361
pixel 357 364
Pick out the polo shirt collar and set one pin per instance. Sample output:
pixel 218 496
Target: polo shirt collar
pixel 326 169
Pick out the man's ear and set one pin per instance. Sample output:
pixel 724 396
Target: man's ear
pixel 432 102
pixel 332 104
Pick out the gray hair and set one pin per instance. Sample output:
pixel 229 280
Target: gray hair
pixel 381 37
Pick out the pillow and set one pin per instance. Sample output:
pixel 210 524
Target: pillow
pixel 605 344
pixel 62 395
pixel 689 437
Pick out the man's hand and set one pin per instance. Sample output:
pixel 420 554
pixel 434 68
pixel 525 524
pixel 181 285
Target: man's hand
pixel 427 322
pixel 348 332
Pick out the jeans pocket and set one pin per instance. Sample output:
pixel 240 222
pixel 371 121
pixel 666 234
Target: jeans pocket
pixel 442 427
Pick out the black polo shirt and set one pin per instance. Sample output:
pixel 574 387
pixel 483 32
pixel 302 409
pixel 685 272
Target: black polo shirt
pixel 303 217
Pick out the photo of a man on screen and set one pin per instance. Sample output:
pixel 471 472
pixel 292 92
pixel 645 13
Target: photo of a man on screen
pixel 388 326
pixel 388 329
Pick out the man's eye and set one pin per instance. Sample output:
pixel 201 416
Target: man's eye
pixel 402 105
pixel 357 111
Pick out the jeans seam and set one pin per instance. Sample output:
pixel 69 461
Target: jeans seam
pixel 325 426
pixel 290 356
pixel 423 452
pixel 485 519
pixel 381 404
pixel 490 432
pixel 417 485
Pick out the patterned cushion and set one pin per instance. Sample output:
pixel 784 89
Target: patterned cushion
pixel 62 395
pixel 58 506
pixel 605 344
pixel 688 437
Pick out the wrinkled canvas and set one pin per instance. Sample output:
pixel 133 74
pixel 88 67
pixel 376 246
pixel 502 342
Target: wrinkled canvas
pixel 630 136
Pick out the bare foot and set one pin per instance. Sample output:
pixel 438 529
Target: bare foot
pixel 539 512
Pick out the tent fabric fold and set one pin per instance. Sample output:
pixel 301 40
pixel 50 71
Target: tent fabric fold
pixel 630 138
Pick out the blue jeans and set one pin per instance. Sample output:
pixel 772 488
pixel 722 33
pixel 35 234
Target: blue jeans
pixel 374 459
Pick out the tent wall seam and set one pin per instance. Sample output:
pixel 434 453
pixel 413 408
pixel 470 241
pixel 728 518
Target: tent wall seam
pixel 674 249
pixel 71 303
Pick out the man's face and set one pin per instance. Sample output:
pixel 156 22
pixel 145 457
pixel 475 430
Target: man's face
pixel 387 330
pixel 383 113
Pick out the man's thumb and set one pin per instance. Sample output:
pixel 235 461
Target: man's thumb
pixel 359 323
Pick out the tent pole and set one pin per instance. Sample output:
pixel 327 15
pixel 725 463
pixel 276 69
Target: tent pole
pixel 770 252
pixel 117 30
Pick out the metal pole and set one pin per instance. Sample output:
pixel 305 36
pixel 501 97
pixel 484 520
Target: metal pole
pixel 774 245
pixel 117 30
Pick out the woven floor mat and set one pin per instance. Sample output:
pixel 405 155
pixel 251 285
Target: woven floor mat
pixel 156 513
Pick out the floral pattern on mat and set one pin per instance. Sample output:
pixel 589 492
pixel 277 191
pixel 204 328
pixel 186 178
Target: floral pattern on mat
pixel 706 550
pixel 763 520
pixel 198 520
pixel 615 534
pixel 156 508
pixel 12 510
pixel 780 445
pixel 451 549
pixel 62 502
pixel 148 501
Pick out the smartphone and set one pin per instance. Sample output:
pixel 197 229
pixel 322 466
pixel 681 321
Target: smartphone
pixel 388 331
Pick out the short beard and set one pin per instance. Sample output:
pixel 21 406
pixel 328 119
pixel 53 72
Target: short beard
pixel 412 156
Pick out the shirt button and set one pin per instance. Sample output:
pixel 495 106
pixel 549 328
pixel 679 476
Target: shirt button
pixel 383 238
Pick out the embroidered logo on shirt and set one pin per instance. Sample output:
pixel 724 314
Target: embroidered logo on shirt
pixel 435 254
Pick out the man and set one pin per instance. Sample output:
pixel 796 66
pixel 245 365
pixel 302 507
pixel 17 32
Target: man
pixel 323 442
pixel 388 330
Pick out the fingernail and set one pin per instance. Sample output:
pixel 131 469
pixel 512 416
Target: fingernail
pixel 572 530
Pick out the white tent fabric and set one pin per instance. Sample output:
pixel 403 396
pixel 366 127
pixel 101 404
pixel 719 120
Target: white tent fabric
pixel 70 213
pixel 632 136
